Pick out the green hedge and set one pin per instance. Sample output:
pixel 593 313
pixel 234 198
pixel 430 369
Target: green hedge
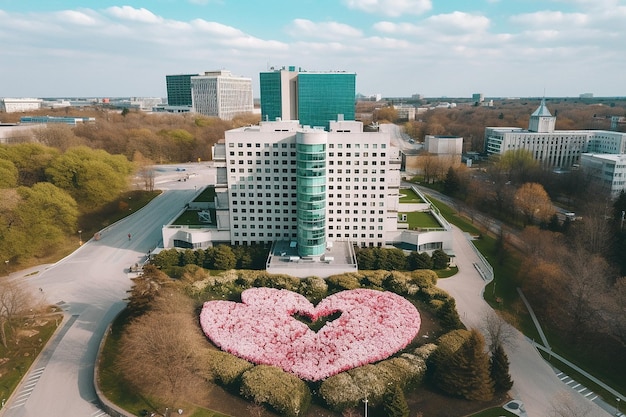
pixel 284 392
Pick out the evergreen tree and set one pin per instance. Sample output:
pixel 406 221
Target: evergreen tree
pixel 394 402
pixel 452 183
pixel 466 374
pixel 440 259
pixel 499 370
pixel 366 258
pixel 448 316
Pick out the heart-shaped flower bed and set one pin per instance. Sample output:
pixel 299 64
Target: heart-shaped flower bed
pixel 372 325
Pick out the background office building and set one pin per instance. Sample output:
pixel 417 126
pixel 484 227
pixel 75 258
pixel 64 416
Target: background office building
pixel 607 171
pixel 179 89
pixel 552 148
pixel 313 98
pixel 220 94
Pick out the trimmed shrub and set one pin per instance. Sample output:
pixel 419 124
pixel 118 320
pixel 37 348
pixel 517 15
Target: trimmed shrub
pixel 347 389
pixel 397 282
pixel 349 281
pixel 340 392
pixel 284 392
pixel 314 289
pixel 431 292
pixel 424 278
pixel 227 369
pixel 447 345
pixel 374 278
pixel 395 404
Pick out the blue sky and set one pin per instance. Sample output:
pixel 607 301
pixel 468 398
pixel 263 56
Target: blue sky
pixel 501 48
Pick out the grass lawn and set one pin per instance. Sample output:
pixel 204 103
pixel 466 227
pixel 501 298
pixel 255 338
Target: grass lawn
pixel 207 195
pixel 190 218
pixel 421 219
pixel 17 358
pixel 407 195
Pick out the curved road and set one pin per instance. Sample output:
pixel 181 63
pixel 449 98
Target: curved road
pixel 90 286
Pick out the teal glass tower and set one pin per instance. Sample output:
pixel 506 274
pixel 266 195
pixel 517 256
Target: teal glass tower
pixel 313 98
pixel 324 96
pixel 179 89
pixel 271 95
pixel 311 195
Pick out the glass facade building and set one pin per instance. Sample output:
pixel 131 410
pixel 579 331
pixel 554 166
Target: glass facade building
pixel 179 89
pixel 271 93
pixel 313 98
pixel 311 195
pixel 324 96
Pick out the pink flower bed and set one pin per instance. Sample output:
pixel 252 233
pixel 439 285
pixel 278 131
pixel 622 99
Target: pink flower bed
pixel 373 325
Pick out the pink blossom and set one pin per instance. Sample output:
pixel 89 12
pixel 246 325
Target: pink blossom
pixel 261 329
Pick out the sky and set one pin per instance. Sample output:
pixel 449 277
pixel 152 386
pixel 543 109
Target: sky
pixel 437 48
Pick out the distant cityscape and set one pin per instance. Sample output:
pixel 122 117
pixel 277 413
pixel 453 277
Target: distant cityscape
pixel 326 100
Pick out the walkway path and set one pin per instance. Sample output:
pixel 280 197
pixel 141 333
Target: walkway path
pixel 535 383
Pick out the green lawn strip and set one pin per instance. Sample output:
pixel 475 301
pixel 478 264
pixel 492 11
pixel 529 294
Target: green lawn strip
pixel 446 273
pixel 419 219
pixel 112 384
pixel 21 357
pixel 602 367
pixel 207 195
pixel 407 195
pixel 125 205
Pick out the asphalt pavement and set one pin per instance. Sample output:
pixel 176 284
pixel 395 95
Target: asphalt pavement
pixel 90 287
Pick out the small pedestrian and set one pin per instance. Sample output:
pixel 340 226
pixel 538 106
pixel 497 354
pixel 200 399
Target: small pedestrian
pixel 129 236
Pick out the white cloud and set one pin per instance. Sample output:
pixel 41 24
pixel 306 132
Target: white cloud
pixel 77 18
pixel 137 15
pixel 443 24
pixel 550 19
pixel 393 8
pixel 322 30
pixel 460 21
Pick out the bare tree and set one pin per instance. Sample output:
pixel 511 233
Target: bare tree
pixel 255 409
pixel 159 350
pixel 497 332
pixel 564 405
pixel 15 302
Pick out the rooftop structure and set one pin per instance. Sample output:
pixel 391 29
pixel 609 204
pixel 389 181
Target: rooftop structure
pixel 312 98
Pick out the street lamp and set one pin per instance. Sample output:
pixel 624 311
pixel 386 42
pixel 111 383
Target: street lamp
pixel 6 266
pixel 618 401
pixel 80 237
pixel 365 401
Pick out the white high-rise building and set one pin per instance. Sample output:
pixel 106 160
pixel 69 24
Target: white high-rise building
pixel 220 94
pixel 289 182
pixel 552 148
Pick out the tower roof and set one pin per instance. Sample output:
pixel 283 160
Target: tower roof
pixel 542 110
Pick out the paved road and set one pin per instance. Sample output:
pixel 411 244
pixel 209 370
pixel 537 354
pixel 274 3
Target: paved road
pixel 535 383
pixel 90 286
